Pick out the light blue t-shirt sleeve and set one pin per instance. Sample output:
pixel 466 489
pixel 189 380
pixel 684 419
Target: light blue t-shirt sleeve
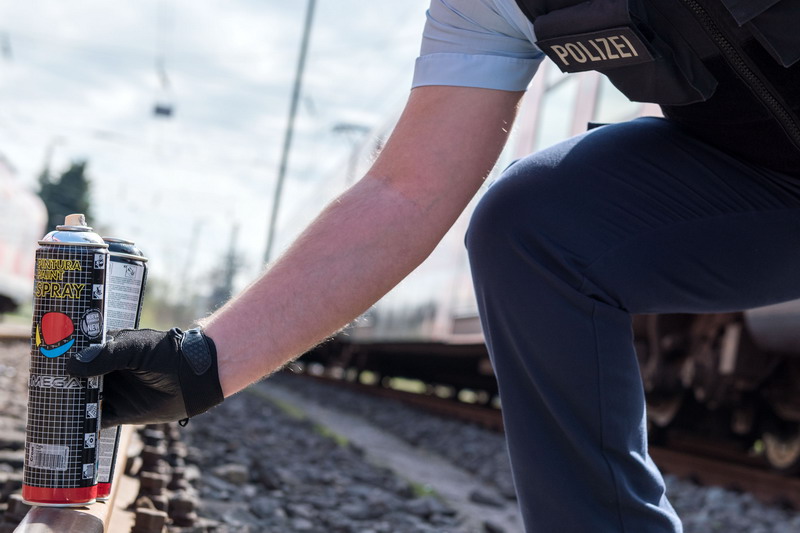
pixel 477 43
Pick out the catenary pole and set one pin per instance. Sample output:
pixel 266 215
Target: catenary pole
pixel 287 139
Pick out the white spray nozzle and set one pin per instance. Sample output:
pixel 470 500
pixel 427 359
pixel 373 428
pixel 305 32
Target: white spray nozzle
pixel 75 219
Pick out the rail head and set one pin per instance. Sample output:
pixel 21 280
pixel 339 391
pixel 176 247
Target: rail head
pixel 60 520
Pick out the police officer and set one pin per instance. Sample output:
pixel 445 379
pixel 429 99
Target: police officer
pixel 695 212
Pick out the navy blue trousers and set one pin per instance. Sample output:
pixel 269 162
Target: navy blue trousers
pixel 564 247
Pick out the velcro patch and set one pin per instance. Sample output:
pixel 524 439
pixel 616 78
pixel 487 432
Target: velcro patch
pixel 599 50
pixel 195 350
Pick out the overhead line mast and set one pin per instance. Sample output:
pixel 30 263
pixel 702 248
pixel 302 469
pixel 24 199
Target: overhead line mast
pixel 287 139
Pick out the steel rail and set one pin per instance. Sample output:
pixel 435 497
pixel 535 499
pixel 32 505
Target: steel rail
pixel 767 486
pixel 705 462
pixel 487 417
pixel 15 332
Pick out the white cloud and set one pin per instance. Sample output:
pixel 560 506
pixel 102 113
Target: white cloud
pixel 84 72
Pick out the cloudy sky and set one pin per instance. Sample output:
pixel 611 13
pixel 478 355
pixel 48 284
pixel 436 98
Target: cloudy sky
pixel 79 80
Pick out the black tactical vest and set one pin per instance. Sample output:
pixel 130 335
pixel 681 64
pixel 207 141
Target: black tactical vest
pixel 727 70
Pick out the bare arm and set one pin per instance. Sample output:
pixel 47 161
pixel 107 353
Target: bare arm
pixel 369 238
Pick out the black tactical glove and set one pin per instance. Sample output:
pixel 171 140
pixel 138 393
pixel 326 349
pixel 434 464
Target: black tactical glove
pixel 152 376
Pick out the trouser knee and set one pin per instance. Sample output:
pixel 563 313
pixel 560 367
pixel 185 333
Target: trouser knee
pixel 512 217
pixel 495 220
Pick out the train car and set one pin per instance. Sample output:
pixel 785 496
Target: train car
pixel 433 312
pixel 24 223
pixel 736 375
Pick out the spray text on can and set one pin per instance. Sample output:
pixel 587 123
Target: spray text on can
pixel 126 279
pixel 63 411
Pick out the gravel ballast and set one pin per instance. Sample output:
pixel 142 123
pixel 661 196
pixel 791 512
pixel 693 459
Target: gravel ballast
pixel 265 468
pixel 262 464
pixel 482 452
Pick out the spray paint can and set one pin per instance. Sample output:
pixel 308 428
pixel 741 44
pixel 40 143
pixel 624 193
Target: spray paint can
pixel 63 410
pixel 125 282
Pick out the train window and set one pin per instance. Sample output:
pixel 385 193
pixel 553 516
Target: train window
pixel 612 105
pixel 552 75
pixel 555 111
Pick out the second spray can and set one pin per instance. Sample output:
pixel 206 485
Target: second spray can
pixel 126 279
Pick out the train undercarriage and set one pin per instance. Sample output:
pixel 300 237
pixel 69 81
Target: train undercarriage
pixel 727 376
pixel 709 373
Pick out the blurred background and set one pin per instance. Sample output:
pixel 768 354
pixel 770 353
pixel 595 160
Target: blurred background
pixel 165 121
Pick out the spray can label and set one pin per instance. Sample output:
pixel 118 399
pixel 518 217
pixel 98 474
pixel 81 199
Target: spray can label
pixel 125 283
pixel 63 410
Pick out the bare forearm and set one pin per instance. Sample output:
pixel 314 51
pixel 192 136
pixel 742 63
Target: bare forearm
pixel 357 249
pixel 371 237
pixel 360 246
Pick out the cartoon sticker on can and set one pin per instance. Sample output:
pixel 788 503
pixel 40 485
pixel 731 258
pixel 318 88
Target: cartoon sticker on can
pixel 53 334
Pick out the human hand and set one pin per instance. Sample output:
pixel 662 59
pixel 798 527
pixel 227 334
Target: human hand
pixel 152 376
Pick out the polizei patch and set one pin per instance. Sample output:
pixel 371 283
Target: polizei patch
pixel 600 50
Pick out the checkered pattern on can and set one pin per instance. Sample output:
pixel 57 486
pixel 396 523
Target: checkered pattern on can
pixel 56 455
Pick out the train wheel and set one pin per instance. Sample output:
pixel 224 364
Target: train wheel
pixel 662 410
pixel 783 451
pixel 743 419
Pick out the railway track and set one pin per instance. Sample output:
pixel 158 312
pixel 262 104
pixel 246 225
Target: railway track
pixel 705 462
pixel 486 417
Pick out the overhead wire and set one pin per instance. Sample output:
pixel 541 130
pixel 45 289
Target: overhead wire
pixel 165 21
pixel 191 71
pixel 5 47
pixel 164 103
pixel 111 50
pixel 190 155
